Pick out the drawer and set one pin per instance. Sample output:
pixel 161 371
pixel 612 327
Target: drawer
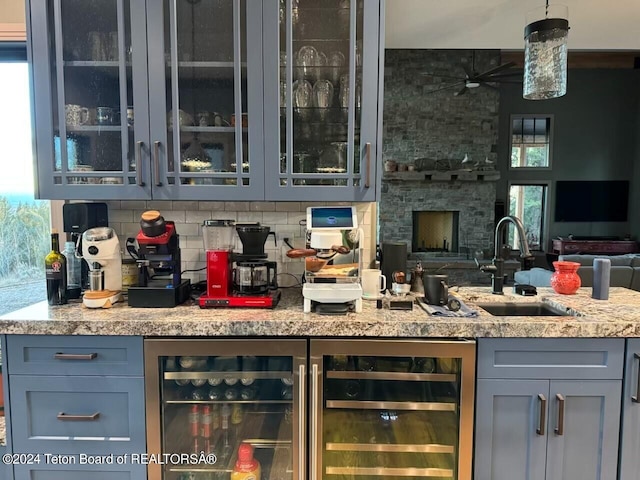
pixel 551 358
pixel 93 415
pixel 79 472
pixel 74 355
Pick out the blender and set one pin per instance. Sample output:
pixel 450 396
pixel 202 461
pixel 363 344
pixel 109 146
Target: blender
pixel 252 282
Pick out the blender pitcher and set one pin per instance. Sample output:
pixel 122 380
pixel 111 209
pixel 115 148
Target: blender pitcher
pixel 218 234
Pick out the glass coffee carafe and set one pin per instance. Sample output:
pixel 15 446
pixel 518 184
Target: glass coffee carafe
pixel 254 277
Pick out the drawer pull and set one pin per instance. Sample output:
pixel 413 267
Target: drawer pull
pixel 78 418
pixel 543 414
pixel 560 428
pixel 636 398
pixel 75 356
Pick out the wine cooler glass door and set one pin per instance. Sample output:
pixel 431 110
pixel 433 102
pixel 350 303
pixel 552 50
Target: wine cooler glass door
pixel 386 409
pixel 226 410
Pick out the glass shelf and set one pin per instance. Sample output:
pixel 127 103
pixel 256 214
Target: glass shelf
pixel 404 376
pixel 375 405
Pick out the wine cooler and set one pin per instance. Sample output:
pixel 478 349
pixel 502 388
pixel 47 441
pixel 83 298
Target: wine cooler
pixel 318 409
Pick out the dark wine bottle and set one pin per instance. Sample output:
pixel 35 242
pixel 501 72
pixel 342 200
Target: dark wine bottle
pixel 56 273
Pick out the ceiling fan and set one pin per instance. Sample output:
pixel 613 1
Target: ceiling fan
pixel 474 79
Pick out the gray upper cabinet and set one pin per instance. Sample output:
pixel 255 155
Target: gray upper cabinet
pixel 322 82
pixel 184 99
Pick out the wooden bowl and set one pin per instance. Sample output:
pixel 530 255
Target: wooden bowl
pixel 314 264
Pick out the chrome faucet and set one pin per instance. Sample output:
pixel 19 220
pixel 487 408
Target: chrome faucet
pixel 496 269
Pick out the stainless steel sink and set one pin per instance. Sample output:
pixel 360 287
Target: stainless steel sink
pixel 522 309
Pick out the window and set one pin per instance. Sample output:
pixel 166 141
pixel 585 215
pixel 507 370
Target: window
pixel 24 222
pixel 528 203
pixel 530 141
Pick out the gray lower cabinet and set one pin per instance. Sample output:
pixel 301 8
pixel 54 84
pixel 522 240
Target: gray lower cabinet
pixel 630 438
pixel 65 404
pixel 550 427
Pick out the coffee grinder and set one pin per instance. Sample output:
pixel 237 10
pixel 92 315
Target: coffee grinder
pixel 104 260
pixel 251 283
pixel 160 282
pixel 77 219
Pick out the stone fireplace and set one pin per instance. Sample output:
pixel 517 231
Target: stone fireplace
pixel 473 202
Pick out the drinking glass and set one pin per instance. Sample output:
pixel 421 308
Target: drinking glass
pixel 306 62
pixel 335 64
pixel 302 98
pixel 323 97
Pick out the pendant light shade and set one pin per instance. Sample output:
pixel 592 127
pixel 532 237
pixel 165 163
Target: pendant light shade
pixel 545 53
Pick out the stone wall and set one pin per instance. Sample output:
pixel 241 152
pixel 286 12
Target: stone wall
pixel 438 126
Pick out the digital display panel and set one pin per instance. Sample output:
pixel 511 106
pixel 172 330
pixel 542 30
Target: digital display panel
pixel 332 217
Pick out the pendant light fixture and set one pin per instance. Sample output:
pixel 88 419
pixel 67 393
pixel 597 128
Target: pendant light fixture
pixel 545 52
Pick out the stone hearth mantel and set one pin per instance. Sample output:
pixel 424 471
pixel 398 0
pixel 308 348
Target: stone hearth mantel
pixel 443 176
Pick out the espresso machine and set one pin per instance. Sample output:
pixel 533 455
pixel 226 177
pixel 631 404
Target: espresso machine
pixel 157 256
pixel 331 285
pixel 246 279
pixel 101 251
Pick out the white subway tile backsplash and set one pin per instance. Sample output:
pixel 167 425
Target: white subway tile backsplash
pixel 288 207
pixel 262 206
pixel 132 205
pixel 273 218
pixel 159 205
pixel 188 229
pixel 211 206
pixel 197 216
pixel 250 217
pixel 294 218
pixel 120 216
pixel 236 206
pixel 185 205
pixel 190 254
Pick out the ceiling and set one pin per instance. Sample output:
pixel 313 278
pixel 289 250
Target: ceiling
pixel 594 24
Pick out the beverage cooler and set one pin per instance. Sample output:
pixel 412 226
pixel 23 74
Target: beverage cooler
pixel 319 409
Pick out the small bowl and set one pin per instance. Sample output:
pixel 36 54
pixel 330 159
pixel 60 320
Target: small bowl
pixel 314 264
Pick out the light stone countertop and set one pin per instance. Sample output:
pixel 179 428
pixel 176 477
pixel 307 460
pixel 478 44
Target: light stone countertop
pixel 617 317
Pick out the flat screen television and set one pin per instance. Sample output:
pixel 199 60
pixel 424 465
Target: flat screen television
pixel 592 201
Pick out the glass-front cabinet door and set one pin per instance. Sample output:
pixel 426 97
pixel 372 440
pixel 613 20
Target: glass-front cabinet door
pixel 205 86
pixel 391 409
pixel 321 68
pixel 91 100
pixel 213 404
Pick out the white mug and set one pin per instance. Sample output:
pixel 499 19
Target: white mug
pixel 373 283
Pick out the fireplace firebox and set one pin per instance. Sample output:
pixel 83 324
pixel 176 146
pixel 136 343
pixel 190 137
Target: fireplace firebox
pixel 435 231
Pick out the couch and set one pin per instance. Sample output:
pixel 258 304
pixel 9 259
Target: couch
pixel 625 271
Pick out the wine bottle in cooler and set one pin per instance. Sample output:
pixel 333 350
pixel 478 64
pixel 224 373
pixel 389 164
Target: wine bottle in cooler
pixel 56 273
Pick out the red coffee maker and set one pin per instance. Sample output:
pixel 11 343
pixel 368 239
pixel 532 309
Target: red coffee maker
pixel 238 279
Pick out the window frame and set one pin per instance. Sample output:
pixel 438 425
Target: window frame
pixel 546 214
pixel 528 116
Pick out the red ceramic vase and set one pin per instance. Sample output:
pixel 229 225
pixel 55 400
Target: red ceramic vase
pixel 565 279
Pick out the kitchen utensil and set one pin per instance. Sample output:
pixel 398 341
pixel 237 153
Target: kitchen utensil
pixel 417 281
pixel 399 276
pixel 436 289
pixel 312 252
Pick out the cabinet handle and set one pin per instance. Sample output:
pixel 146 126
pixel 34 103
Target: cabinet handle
pixel 156 163
pixel 75 356
pixel 78 418
pixel 301 409
pixel 560 428
pixel 543 414
pixel 367 171
pixel 636 398
pixel 139 146
pixel 314 420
